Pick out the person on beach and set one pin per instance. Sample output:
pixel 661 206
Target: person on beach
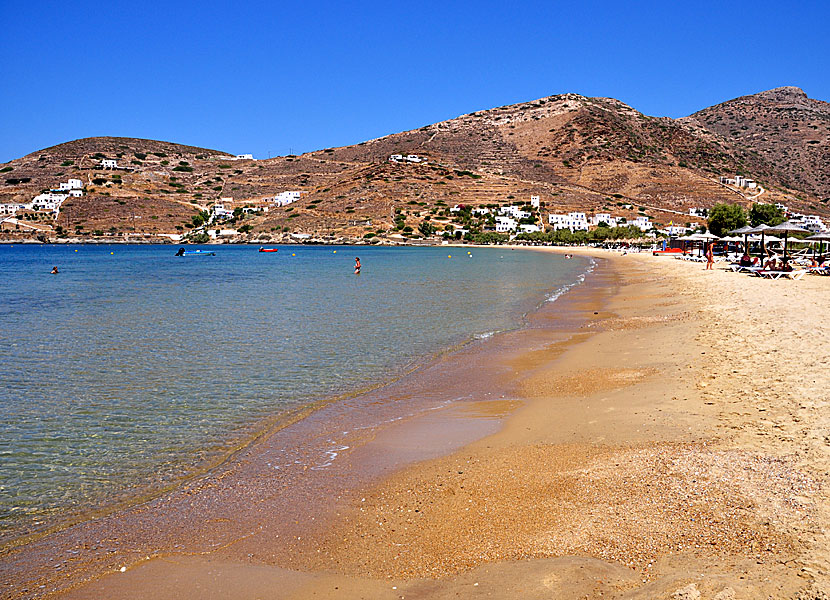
pixel 710 257
pixel 356 265
pixel 54 271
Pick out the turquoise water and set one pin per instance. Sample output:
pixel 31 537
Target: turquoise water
pixel 132 366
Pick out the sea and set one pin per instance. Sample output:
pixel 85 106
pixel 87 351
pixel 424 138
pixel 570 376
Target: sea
pixel 133 368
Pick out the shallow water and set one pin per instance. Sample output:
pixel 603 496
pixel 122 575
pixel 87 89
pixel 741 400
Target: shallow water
pixel 131 366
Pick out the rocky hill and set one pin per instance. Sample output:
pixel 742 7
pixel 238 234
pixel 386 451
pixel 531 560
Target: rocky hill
pixel 783 126
pixel 577 153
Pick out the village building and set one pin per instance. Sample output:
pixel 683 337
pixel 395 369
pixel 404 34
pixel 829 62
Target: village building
pixel 534 201
pixel 514 211
pixel 505 224
pixel 286 198
pixel 529 228
pixel 603 218
pixel 643 223
pixel 244 157
pixel 109 163
pixel 575 221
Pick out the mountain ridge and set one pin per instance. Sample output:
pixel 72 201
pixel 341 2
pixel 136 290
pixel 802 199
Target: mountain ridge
pixel 578 153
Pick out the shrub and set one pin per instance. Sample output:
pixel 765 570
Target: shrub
pixel 160 154
pixel 726 217
pixel 165 163
pixel 67 163
pixel 6 169
pixel 140 155
pixel 767 214
pixel 245 229
pixel 99 181
pixel 183 168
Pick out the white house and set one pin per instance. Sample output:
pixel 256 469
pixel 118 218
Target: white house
pixel 10 209
pixel 481 211
pixel 244 157
pixel 76 193
pixel 514 211
pixel 676 230
pixel 642 223
pixel 413 158
pixel 528 228
pixel 534 201
pixel 505 224
pixel 109 163
pixel 698 212
pixel 286 198
pixel 396 158
pixel 813 223
pixel 48 201
pixel 574 221
pixel 72 184
pixel 604 218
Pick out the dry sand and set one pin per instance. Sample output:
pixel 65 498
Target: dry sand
pixel 677 447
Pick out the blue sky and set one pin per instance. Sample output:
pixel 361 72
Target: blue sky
pixel 279 77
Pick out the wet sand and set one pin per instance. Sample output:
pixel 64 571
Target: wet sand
pixel 625 445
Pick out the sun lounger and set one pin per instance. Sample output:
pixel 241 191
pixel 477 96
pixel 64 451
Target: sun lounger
pixel 796 275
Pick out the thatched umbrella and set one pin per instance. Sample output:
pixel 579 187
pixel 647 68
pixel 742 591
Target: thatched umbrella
pixel 744 231
pixel 819 237
pixel 760 229
pixel 787 227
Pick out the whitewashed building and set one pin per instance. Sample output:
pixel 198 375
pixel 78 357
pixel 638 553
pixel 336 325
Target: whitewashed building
pixel 529 228
pixel 244 157
pixel 286 198
pixel 48 201
pixel 413 158
pixel 109 163
pixel 534 201
pixel 11 208
pixel 72 184
pixel 505 224
pixel 642 223
pixel 575 221
pixel 813 223
pixel 603 218
pixel 481 211
pixel 396 158
pixel 514 211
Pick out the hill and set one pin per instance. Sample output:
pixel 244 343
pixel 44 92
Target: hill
pixel 576 153
pixel 783 126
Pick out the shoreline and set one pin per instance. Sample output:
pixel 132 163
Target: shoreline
pixel 638 418
pixel 308 424
pixel 269 426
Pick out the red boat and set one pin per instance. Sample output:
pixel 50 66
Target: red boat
pixel 268 249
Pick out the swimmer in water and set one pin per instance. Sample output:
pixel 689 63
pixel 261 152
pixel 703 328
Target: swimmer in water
pixel 356 265
pixel 54 271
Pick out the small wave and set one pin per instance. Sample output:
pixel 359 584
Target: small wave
pixel 485 335
pixel 330 455
pixel 557 293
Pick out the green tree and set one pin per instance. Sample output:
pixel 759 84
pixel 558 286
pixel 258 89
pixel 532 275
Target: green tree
pixel 767 214
pixel 726 217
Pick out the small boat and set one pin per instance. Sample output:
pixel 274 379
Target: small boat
pixel 268 249
pixel 183 252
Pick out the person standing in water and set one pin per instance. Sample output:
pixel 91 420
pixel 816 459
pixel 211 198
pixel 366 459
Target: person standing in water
pixel 356 265
pixel 54 271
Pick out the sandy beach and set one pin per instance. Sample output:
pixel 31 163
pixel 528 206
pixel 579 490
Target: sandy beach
pixel 658 432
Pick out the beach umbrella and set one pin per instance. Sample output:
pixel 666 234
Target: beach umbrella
pixel 819 237
pixel 787 227
pixel 744 231
pixel 760 229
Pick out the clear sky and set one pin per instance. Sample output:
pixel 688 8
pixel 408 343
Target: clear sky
pixel 278 77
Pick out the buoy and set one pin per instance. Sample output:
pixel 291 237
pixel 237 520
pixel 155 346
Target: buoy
pixel 449 255
pixel 292 254
pixel 335 252
pixel 112 252
pixel 76 250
